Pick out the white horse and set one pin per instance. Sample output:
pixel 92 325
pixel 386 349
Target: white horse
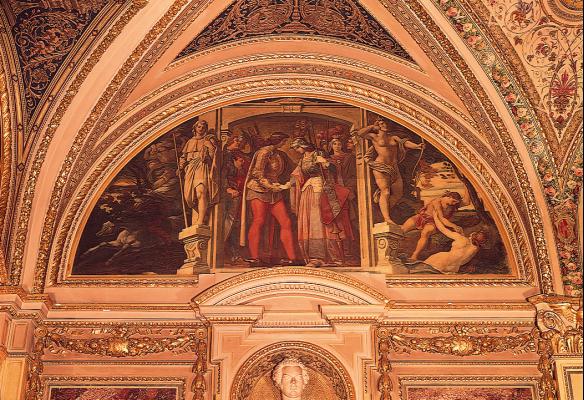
pixel 127 239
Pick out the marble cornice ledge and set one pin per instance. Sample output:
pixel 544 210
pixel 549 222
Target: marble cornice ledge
pixel 447 313
pixel 16 303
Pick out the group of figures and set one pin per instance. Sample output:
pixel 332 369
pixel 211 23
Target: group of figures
pixel 303 206
pixel 285 190
pixel 321 187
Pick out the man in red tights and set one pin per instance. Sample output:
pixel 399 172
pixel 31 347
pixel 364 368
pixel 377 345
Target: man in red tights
pixel 263 194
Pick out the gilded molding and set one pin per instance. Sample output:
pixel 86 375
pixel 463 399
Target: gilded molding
pixel 118 341
pixel 21 228
pixel 460 340
pixel 451 340
pixel 5 164
pixel 151 381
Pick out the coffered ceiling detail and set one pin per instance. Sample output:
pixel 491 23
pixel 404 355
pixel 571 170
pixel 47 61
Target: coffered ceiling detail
pixel 343 19
pixel 44 34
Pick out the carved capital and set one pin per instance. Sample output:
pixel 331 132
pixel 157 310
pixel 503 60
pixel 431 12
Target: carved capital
pixel 559 319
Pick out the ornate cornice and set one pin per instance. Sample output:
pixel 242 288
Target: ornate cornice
pixel 118 341
pixel 308 275
pixel 452 340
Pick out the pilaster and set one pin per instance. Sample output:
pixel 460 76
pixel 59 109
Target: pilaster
pixel 559 319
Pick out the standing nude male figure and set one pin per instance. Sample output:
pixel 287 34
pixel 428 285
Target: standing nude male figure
pixel 383 158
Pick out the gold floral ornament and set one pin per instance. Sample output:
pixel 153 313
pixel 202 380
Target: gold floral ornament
pixel 119 341
pixel 457 340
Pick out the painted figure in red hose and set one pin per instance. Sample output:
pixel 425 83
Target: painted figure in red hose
pixel 263 194
pixel 444 208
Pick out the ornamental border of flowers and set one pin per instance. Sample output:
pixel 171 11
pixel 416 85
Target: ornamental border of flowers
pixel 528 125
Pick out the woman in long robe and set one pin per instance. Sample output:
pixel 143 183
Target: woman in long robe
pixel 321 208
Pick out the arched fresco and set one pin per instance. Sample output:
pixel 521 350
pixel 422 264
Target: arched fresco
pixel 290 182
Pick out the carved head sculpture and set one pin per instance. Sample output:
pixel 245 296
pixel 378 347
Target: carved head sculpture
pixel 291 377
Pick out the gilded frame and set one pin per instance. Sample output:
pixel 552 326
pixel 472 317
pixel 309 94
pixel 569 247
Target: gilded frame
pixel 50 382
pixel 406 382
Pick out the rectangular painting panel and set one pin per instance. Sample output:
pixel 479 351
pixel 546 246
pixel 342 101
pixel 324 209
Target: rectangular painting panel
pixel 466 393
pixel 113 393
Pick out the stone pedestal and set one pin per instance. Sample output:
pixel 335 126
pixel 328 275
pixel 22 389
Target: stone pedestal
pixel 387 239
pixel 196 241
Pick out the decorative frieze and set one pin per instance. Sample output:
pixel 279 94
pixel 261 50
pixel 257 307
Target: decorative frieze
pixel 453 340
pixel 119 341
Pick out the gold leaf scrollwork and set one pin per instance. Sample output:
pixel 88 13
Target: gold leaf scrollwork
pixel 546 385
pixel 119 341
pixel 460 341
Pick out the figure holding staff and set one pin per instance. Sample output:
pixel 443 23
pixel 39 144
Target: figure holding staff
pixel 201 174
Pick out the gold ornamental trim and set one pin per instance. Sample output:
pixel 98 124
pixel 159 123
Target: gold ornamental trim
pixel 118 341
pixel 5 165
pixel 454 340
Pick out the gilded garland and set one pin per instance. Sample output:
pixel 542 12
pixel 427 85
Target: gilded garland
pixel 119 341
pixel 457 340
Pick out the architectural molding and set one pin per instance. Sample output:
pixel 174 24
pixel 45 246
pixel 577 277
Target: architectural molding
pixel 118 341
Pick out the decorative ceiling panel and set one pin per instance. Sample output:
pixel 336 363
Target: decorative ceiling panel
pixel 342 19
pixel 45 32
pixel 547 36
